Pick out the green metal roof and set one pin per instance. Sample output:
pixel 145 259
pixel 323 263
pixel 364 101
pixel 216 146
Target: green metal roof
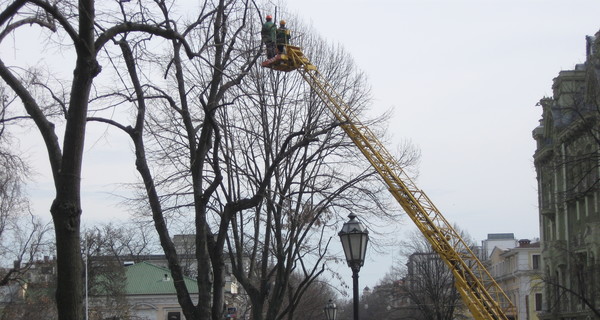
pixel 146 278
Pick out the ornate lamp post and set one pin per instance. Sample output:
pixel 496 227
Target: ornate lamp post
pixel 354 236
pixel 330 310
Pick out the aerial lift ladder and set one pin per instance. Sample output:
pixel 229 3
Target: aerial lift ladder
pixel 479 291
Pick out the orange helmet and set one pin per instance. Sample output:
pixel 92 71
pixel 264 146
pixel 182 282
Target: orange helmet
pixel 282 22
pixel 269 17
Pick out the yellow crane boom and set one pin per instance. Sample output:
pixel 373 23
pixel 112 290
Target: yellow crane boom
pixel 480 292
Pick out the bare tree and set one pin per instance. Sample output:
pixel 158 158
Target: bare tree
pixel 177 138
pixel 186 121
pixel 24 241
pixel 389 299
pixel 124 241
pixel 107 248
pixel 23 236
pixel 313 300
pixel 35 304
pixel 249 166
pixel 14 171
pixel 428 282
pixel 431 286
pixel 84 32
pixel 310 190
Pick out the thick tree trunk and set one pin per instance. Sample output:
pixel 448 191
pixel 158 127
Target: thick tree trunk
pixel 66 208
pixel 66 215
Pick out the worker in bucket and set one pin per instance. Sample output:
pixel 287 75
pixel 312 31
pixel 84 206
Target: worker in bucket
pixel 283 36
pixel 268 34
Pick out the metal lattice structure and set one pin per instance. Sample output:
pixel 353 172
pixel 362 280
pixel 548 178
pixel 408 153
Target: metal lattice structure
pixel 480 292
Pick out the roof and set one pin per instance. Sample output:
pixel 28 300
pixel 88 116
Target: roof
pixel 501 236
pixel 497 251
pixel 146 278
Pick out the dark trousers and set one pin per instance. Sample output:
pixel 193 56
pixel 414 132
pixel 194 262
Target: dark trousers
pixel 270 49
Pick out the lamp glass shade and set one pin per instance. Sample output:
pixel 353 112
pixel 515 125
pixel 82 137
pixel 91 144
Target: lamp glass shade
pixel 330 311
pixel 354 237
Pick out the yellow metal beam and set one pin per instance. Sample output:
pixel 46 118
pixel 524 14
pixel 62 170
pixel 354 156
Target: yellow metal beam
pixel 481 294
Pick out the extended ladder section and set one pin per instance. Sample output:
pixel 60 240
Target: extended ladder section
pixel 481 294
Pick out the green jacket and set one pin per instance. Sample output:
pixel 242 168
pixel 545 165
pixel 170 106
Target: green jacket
pixel 283 35
pixel 268 32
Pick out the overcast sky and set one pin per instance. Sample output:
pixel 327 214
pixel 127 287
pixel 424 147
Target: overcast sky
pixel 462 79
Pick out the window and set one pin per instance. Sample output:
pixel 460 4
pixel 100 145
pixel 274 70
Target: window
pixel 173 316
pixel 527 306
pixel 538 302
pixel 536 261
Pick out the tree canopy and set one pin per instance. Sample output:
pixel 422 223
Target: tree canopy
pixel 248 158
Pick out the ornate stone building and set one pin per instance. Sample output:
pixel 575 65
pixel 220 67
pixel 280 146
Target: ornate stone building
pixel 567 164
pixel 517 271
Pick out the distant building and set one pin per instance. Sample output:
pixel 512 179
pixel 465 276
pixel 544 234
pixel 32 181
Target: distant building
pixel 389 300
pixel 185 246
pixel 149 292
pixel 10 294
pixel 567 164
pixel 518 272
pixel 147 289
pixel 497 240
pixel 125 287
pixel 31 295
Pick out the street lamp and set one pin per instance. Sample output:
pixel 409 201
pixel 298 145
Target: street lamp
pixel 330 310
pixel 354 236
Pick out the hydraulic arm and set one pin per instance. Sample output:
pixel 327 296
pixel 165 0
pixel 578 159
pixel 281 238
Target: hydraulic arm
pixel 480 292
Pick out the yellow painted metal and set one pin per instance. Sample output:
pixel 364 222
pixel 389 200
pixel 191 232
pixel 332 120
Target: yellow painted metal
pixel 292 59
pixel 480 292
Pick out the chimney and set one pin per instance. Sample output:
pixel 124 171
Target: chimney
pixel 524 243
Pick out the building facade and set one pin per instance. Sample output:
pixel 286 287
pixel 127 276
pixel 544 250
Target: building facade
pixel 518 272
pixel 497 240
pixel 147 293
pixel 142 288
pixel 31 295
pixel 567 164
